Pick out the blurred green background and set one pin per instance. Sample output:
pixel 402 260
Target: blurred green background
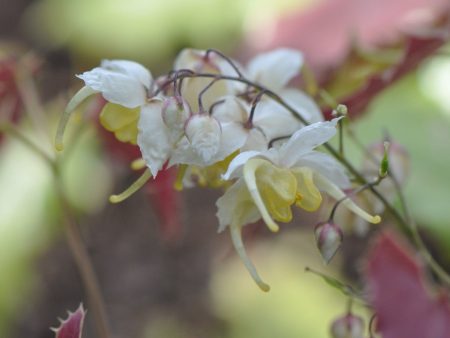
pixel 416 112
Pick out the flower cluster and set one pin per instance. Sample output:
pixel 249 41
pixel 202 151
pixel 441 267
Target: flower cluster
pixel 241 128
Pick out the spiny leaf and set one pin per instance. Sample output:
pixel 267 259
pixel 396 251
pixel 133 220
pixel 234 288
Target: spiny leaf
pixel 72 326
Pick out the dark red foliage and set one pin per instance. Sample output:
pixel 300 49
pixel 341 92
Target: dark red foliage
pixel 405 303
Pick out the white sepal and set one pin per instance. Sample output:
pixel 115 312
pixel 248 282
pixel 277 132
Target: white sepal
pixel 204 134
pixel 153 137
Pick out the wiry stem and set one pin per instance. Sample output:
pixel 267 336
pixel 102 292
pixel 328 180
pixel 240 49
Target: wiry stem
pixel 406 225
pixel 83 261
pixel 73 235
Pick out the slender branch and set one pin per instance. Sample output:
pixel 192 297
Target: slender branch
pixel 33 106
pixel 82 260
pixel 407 227
pixel 73 235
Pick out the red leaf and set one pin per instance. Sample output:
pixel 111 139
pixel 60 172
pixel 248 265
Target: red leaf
pixel 404 304
pixel 72 326
pixel 326 31
pixel 167 203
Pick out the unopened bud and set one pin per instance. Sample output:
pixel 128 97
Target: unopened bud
pixel 175 112
pixel 384 165
pixel 348 326
pixel 329 237
pixel 204 133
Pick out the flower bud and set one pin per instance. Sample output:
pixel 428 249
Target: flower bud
pixel 348 326
pixel 175 112
pixel 329 237
pixel 204 133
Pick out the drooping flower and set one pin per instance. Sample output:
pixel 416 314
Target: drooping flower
pixel 125 85
pixel 202 61
pixel 329 238
pixel 270 182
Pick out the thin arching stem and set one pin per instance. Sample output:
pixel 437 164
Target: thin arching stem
pixel 405 225
pixel 73 235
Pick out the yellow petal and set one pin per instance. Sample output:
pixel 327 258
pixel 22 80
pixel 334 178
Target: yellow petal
pixel 120 120
pixel 311 199
pixel 127 133
pixel 273 190
pixel 278 189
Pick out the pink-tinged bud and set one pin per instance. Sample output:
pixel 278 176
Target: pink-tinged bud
pixel 329 237
pixel 349 326
pixel 175 112
pixel 204 134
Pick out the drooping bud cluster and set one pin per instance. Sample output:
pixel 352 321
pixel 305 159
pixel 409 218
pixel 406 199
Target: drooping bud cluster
pixel 219 121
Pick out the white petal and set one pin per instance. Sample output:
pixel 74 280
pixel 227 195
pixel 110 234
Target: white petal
pixel 233 137
pixel 184 153
pixel 188 58
pixel 115 87
pixel 276 68
pixel 302 103
pixel 153 139
pixel 306 139
pixel 327 166
pixel 256 140
pixel 274 120
pixel 131 68
pixel 228 211
pixel 232 110
pixel 236 165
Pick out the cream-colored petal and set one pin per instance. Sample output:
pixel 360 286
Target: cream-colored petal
pixel 276 68
pixel 302 103
pixel 237 164
pixel 236 206
pixel 250 179
pixel 331 189
pixel 236 238
pixel 309 197
pixel 76 100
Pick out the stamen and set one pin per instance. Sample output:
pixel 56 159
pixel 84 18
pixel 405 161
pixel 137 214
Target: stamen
pixel 236 238
pixel 135 186
pixel 338 194
pixel 250 179
pixel 138 164
pixel 79 97
pixel 178 185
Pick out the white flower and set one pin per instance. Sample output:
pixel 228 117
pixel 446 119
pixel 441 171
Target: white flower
pixel 199 61
pixel 270 182
pixel 161 130
pixel 121 82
